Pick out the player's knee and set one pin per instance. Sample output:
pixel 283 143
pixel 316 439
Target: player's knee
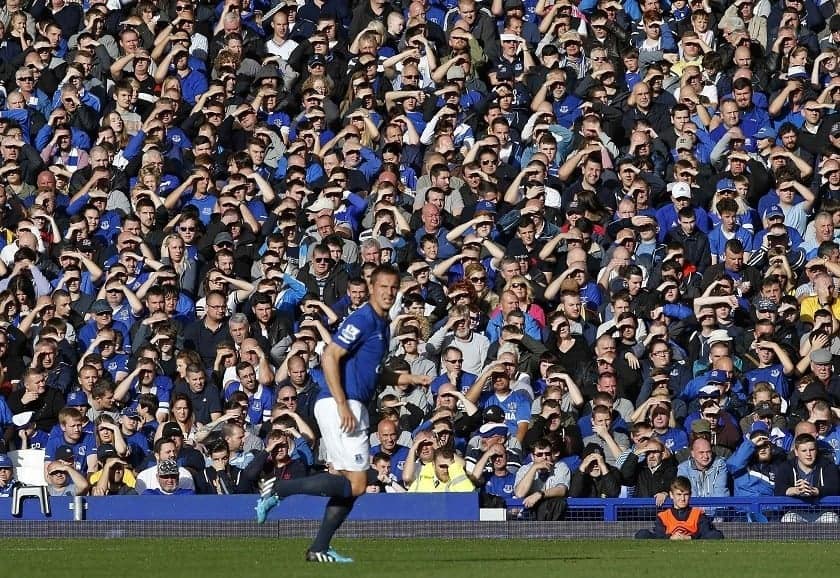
pixel 358 487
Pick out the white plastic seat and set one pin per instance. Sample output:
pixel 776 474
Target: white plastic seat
pixel 29 472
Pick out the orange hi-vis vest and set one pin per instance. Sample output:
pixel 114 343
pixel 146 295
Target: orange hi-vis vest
pixel 672 524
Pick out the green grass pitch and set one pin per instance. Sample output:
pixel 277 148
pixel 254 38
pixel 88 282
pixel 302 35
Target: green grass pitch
pixel 409 558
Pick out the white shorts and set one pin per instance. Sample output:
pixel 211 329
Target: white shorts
pixel 345 451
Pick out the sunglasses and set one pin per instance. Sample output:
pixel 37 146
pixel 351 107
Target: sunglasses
pixel 478 279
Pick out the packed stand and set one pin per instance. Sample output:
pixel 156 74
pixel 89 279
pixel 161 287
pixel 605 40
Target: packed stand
pixel 616 226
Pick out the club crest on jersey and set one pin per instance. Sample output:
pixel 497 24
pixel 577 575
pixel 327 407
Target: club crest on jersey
pixel 349 333
pixel 359 459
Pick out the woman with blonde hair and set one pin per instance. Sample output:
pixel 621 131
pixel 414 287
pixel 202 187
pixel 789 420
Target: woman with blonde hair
pixel 357 81
pixel 521 287
pixel 785 276
pixel 17 39
pixel 323 85
pixel 149 178
pixel 114 121
pixel 173 253
pixel 486 299
pixel 364 125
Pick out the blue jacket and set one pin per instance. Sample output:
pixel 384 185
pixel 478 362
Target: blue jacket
pixel 708 484
pixel 832 438
pixel 751 477
pixel 494 327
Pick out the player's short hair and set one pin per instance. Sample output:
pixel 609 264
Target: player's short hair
pixel 383 270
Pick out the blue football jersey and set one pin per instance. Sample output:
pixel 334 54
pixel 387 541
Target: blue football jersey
pixel 365 336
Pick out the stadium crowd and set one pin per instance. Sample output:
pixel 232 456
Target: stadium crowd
pixel 617 226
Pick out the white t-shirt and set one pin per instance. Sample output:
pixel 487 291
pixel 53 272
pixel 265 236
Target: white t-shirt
pixel 147 480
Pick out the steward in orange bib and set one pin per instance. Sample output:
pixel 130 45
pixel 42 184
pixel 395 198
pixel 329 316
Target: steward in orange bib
pixel 682 522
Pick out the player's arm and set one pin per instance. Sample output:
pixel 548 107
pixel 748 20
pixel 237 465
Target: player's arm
pixel 388 377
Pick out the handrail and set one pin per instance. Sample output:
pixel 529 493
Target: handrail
pixel 433 506
pixel 754 505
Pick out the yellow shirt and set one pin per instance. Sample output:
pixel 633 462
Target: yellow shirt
pixel 679 66
pixel 128 478
pixel 811 305
pixel 427 481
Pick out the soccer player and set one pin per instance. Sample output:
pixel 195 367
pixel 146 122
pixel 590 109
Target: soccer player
pixel 351 369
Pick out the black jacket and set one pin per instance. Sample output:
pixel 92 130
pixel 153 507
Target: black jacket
pixel 697 249
pixel 585 486
pixel 648 484
pixel 334 289
pixel 748 273
pixel 46 407
pixel 826 477
pixel 232 480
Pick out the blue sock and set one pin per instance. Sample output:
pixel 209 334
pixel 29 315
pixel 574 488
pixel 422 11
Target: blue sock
pixel 329 485
pixel 337 511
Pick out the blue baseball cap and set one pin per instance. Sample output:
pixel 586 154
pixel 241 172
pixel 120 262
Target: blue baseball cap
pixel 759 427
pixel 131 412
pixel 491 429
pixel 773 211
pixel 715 376
pixel 485 206
pixel 725 185
pixel 765 132
pixel 77 399
pixel 6 461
